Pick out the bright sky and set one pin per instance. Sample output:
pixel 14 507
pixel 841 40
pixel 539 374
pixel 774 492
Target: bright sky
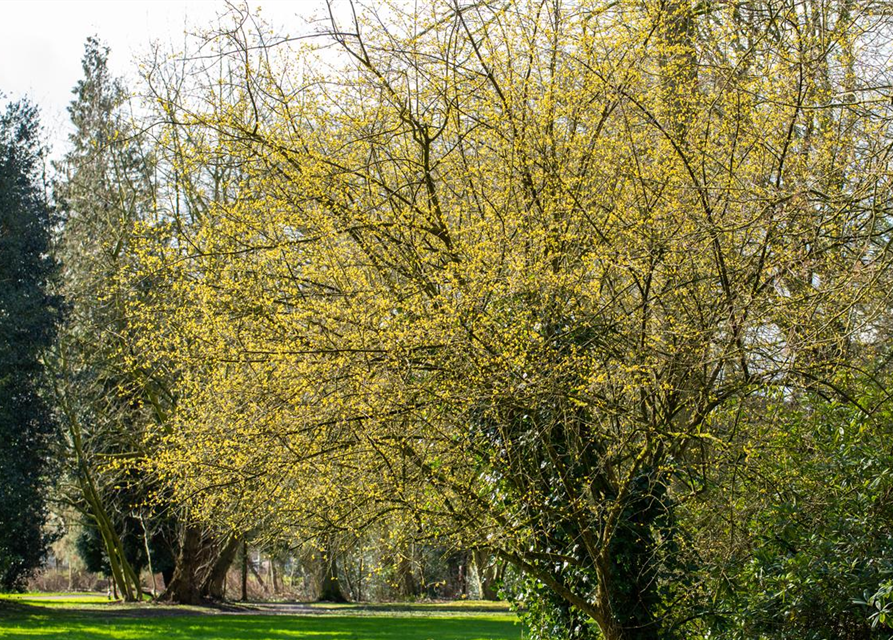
pixel 42 41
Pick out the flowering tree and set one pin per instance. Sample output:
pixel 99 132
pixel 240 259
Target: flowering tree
pixel 496 276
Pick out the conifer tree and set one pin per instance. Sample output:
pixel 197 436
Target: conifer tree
pixel 28 316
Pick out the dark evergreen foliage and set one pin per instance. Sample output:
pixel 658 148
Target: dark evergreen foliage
pixel 161 544
pixel 28 316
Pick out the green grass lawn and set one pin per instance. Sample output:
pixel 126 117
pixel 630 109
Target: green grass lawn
pixel 83 616
pixel 63 600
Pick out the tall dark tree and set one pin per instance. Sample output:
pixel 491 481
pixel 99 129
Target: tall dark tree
pixel 28 316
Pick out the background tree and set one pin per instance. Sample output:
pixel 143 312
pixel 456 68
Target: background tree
pixel 106 393
pixel 798 536
pixel 28 317
pixel 104 187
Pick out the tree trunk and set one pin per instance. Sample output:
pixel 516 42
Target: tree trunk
pixel 488 572
pixel 407 585
pixel 149 556
pixel 213 585
pixel 274 575
pixel 244 571
pixel 611 630
pixel 202 562
pixel 184 587
pixel 123 574
pixel 331 586
pixel 360 579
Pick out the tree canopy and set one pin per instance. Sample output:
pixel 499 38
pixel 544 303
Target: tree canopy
pixel 510 274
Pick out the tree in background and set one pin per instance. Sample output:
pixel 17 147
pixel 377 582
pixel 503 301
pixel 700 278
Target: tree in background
pixel 796 532
pixel 103 187
pixel 107 396
pixel 144 548
pixel 28 318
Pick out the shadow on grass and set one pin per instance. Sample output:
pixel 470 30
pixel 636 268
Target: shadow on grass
pixel 21 621
pixel 470 608
pixel 115 610
pixel 460 607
